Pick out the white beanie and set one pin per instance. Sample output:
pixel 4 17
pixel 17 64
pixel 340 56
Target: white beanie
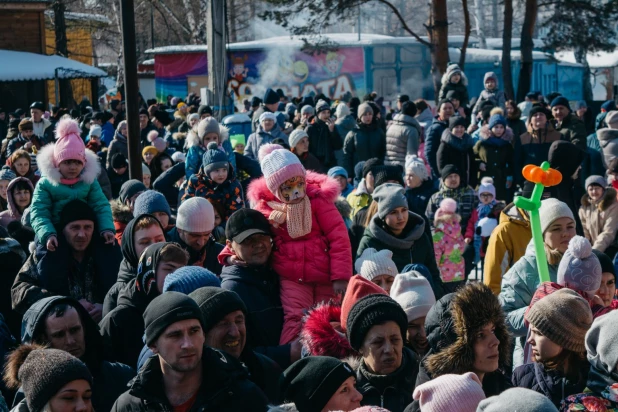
pixel 416 166
pixel 579 268
pixel 413 293
pixel 196 215
pixel 268 116
pixel 95 130
pixel 178 157
pixel 373 263
pixel 296 136
pixel 551 210
pixel 611 119
pixel 487 188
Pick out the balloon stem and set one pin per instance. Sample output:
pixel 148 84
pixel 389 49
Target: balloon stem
pixel 541 259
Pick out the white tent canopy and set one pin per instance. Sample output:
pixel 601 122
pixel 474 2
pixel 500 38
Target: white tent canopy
pixel 23 66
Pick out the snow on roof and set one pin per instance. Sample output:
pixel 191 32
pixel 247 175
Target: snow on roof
pixel 492 56
pixel 148 62
pixel 496 43
pixel 23 66
pixel 595 60
pixel 82 17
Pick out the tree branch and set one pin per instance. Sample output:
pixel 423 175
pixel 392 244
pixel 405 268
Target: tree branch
pixel 403 22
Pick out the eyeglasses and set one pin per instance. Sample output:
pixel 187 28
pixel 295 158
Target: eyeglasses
pixel 486 195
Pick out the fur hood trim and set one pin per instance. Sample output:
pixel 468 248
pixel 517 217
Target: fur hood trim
pixel 45 162
pixel 473 307
pixel 121 212
pixel 286 407
pixel 179 136
pixel 608 199
pixel 10 204
pixel 343 207
pixel 319 336
pixel 450 70
pixel 319 186
pixel 485 133
pixel 14 362
pixel 194 140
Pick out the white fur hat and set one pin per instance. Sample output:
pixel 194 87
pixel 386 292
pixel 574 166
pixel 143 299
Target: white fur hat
pixel 373 263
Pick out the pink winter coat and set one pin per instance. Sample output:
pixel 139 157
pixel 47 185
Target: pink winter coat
pixel 325 253
pixel 449 245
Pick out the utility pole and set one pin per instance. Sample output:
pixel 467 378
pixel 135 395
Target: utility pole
pixel 217 97
pixel 131 89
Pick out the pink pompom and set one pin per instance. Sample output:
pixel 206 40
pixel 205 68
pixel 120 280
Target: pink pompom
pixel 448 205
pixel 267 149
pixel 66 127
pixel 152 135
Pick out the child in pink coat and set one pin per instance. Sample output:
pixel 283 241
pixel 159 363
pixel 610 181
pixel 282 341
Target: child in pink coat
pixel 449 246
pixel 312 252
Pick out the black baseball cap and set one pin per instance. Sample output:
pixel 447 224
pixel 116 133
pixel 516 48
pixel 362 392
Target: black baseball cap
pixel 244 223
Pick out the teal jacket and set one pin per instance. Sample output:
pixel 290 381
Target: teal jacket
pixel 518 287
pixel 50 196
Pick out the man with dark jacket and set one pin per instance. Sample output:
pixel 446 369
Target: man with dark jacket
pixel 123 327
pixel 434 134
pixel 270 104
pixel 248 234
pixel 62 323
pixel 570 127
pixel 43 128
pixel 185 374
pixel 82 267
pixel 193 231
pixel 145 127
pixel 224 325
pixel 324 138
pixel 141 232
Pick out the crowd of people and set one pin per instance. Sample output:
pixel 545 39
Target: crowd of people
pixel 345 256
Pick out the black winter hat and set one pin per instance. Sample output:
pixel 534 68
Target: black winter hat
pixel 38 105
pixel 163 117
pixel 130 188
pixel 409 108
pixel 560 101
pixel 537 108
pixel 43 372
pixel 76 210
pixel 455 121
pixel 383 174
pixel 606 262
pixel 167 309
pixel 453 94
pixel 215 303
pixel 119 161
pixel 370 164
pixel 14 124
pixel 310 382
pixel 255 101
pixel 205 109
pixel 144 111
pixel 403 98
pixel 370 311
pixel 449 170
pixel 271 97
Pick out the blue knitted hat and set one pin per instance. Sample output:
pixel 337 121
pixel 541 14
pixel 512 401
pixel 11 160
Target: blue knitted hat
pixel 496 119
pixel 189 278
pixel 560 101
pixel 214 158
pixel 7 174
pixel 337 171
pixel 150 202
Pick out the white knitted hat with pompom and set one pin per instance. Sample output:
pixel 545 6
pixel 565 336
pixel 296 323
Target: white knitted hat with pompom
pixel 579 268
pixel 278 165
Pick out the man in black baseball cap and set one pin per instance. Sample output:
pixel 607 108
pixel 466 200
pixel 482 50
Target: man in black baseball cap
pixel 250 275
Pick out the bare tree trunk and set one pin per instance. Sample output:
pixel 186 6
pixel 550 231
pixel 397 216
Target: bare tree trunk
pixel 438 35
pixel 118 44
pixel 60 28
pixel 507 36
pixel 232 21
pixel 527 44
pixel 580 57
pixel 467 30
pixel 494 18
pixel 479 17
pixel 192 22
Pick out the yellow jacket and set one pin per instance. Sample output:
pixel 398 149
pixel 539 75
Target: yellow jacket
pixel 507 244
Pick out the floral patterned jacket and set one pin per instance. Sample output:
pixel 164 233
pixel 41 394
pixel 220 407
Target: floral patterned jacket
pixel 589 401
pixel 449 246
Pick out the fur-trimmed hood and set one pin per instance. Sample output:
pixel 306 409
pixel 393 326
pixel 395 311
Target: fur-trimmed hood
pixel 452 325
pixel 485 134
pixel 606 135
pixel 450 70
pixel 121 212
pixel 608 199
pixel 343 207
pixel 45 162
pixel 194 140
pixel 318 186
pixel 11 207
pixel 318 335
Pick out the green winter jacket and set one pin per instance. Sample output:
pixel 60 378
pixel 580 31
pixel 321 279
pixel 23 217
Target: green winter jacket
pixel 50 196
pixel 518 287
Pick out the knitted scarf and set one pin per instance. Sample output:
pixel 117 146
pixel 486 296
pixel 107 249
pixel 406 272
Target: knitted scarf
pixel 297 215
